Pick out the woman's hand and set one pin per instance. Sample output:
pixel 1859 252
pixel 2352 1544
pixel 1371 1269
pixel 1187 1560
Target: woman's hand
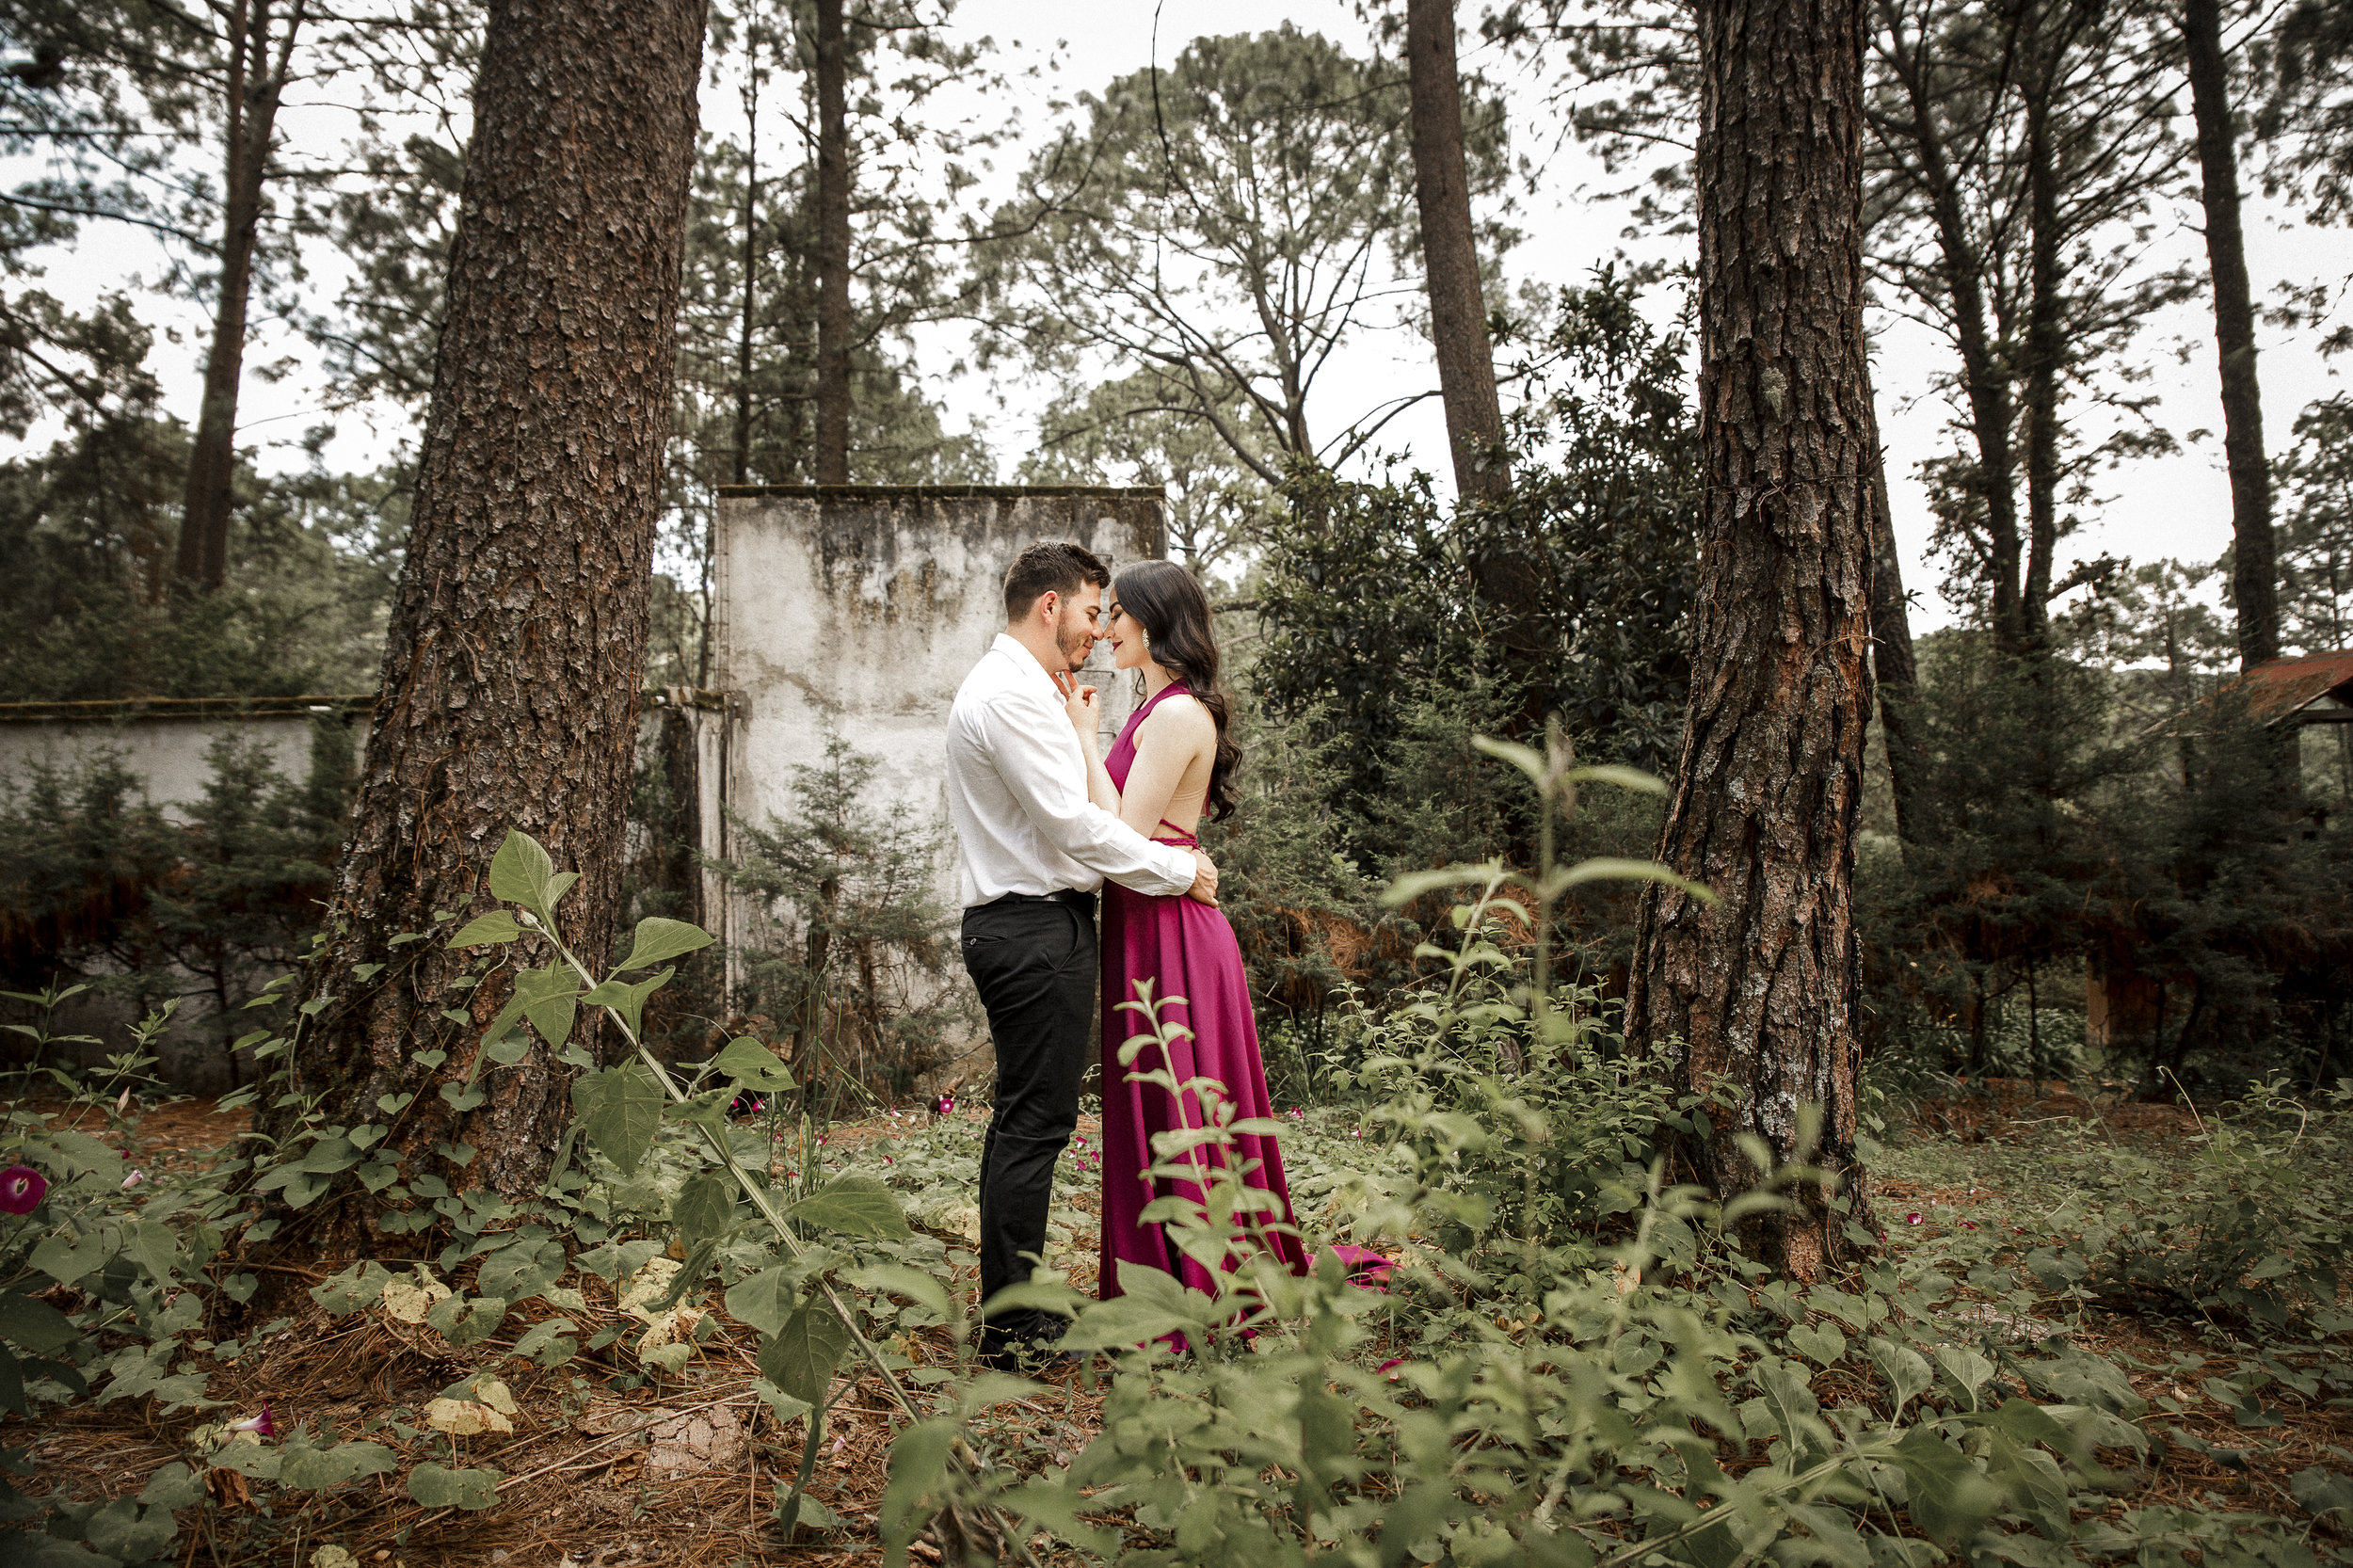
pixel 1084 705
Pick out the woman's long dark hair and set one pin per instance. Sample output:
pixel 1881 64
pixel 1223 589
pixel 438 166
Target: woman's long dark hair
pixel 1167 602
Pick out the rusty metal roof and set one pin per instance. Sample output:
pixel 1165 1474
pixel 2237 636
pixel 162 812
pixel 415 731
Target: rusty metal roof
pixel 2280 688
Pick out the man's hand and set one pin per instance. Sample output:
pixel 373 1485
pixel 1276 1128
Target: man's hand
pixel 1204 880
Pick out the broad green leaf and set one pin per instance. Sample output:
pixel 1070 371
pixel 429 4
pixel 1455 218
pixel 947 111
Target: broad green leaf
pixel 800 1357
pixel 1527 758
pixel 901 1280
pixel 173 1486
pixel 626 999
pixel 919 1466
pixel 1906 1369
pixel 521 1271
pixel 749 1062
pixel 620 1110
pixel 1948 1497
pixel 438 1486
pixel 153 1245
pixel 356 1287
pixel 36 1325
pixel 330 1157
pixel 488 930
pixel 247 1458
pixel 855 1205
pixel 704 1209
pixel 306 1468
pixel 1612 772
pixel 545 1340
pixel 765 1301
pixel 1612 869
pixel 1413 884
pixel 658 939
pixel 521 871
pixel 549 997
pixel 785 1407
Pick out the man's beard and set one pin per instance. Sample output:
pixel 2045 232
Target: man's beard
pixel 1076 640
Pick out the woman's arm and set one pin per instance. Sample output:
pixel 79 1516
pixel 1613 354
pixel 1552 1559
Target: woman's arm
pixel 1168 744
pixel 1085 709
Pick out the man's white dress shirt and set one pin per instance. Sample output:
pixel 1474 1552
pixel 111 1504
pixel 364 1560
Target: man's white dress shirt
pixel 1017 792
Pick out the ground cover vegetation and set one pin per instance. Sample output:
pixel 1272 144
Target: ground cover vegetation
pixel 2007 1228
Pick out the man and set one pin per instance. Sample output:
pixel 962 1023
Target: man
pixel 1036 851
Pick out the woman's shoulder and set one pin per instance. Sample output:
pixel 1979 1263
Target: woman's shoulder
pixel 1180 711
pixel 1180 717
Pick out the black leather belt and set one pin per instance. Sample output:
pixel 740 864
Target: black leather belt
pixel 1070 896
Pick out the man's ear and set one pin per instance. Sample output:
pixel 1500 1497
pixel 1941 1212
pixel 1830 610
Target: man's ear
pixel 1050 601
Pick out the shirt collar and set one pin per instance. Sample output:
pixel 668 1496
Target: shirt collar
pixel 1027 664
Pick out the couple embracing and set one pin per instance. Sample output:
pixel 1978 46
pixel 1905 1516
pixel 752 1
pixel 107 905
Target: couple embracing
pixel 1045 822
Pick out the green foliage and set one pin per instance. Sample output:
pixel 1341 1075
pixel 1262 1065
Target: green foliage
pixel 853 963
pixel 1364 593
pixel 96 882
pixel 88 614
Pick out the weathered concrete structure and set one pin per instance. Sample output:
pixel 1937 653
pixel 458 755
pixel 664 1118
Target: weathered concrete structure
pixel 860 609
pixel 166 741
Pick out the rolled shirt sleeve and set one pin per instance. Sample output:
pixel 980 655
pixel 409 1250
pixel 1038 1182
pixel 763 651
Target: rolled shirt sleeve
pixel 1036 758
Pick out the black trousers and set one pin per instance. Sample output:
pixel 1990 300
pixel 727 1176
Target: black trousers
pixel 1032 962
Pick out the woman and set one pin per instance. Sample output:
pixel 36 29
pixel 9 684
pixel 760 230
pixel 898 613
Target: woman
pixel 1174 762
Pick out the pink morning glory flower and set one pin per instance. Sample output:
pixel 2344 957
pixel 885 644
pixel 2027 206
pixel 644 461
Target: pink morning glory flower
pixel 1389 1367
pixel 261 1426
pixel 21 1189
pixel 133 1178
pixel 1912 1219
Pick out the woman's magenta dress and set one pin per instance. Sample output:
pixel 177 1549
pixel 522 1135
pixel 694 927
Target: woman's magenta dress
pixel 1187 949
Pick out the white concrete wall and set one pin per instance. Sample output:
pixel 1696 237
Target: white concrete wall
pixel 167 751
pixel 868 605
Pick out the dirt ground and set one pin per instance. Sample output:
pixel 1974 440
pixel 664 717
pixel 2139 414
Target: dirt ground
pixel 607 1470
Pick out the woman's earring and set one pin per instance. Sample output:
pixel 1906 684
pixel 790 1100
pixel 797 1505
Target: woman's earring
pixel 1147 640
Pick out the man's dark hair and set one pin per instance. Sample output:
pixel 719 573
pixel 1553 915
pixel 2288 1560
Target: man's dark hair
pixel 1049 567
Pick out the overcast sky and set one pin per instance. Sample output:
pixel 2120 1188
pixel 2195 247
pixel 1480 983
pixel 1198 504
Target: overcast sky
pixel 2175 506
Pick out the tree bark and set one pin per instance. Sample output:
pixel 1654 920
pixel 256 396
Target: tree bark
pixel 1458 313
pixel 742 463
pixel 1760 990
pixel 519 630
pixel 255 85
pixel 1893 669
pixel 832 465
pixel 2254 575
pixel 2045 350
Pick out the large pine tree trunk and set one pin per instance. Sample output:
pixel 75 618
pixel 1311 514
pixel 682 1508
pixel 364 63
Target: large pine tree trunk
pixel 518 631
pixel 256 82
pixel 2254 575
pixel 832 465
pixel 1458 313
pixel 1761 989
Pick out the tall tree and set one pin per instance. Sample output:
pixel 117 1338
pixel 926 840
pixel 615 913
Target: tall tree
pixel 1449 253
pixel 833 246
pixel 2008 147
pixel 519 630
pixel 1218 229
pixel 1761 989
pixel 1893 669
pixel 260 39
pixel 2254 575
